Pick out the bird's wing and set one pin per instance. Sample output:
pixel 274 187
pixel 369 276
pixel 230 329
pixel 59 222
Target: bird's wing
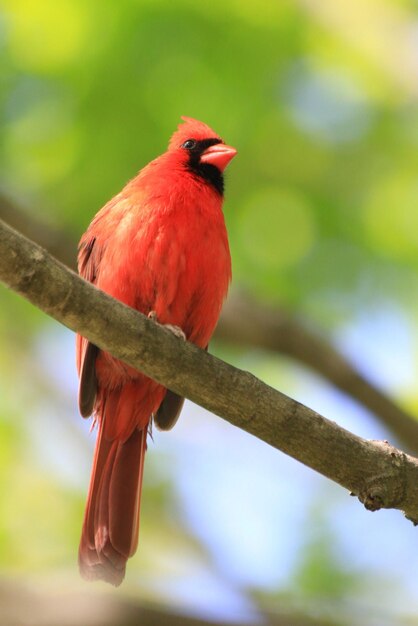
pixel 169 410
pixel 89 256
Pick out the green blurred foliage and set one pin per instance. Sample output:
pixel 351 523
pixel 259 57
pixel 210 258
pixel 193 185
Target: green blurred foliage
pixel 325 126
pixel 320 100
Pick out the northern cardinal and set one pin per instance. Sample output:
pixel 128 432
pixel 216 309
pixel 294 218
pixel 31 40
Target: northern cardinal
pixel 161 247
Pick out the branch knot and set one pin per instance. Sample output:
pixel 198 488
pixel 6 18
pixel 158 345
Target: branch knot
pixel 386 490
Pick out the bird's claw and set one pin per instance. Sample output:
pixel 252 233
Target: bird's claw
pixel 176 330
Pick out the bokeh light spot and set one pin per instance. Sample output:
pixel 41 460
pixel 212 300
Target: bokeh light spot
pixel 276 228
pixel 391 217
pixel 41 145
pixel 327 104
pixel 44 36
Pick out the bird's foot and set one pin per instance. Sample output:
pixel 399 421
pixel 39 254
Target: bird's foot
pixel 176 330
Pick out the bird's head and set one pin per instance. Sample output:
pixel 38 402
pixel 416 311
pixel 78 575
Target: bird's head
pixel 202 151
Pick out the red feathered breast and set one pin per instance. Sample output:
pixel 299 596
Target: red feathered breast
pixel 169 253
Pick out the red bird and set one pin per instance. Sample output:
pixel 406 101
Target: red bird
pixel 161 247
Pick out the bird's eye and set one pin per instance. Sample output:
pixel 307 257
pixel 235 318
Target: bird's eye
pixel 189 144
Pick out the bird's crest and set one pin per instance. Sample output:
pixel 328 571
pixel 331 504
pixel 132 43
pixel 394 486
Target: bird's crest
pixel 190 129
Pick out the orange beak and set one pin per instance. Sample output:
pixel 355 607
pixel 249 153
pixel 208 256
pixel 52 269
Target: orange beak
pixel 219 155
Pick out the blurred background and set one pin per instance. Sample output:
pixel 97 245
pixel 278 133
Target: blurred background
pixel 320 99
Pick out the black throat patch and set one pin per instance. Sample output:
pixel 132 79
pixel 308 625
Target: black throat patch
pixel 210 173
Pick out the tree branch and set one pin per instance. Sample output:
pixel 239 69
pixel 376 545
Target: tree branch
pixel 244 321
pixel 249 322
pixel 380 475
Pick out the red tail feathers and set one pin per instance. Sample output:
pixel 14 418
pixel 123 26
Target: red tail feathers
pixel 111 521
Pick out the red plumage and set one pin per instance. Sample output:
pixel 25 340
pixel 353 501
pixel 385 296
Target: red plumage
pixel 159 246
